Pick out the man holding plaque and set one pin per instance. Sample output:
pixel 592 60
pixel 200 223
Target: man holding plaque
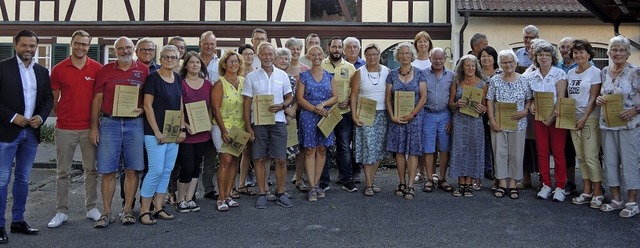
pixel 72 82
pixel 342 71
pixel 269 140
pixel 25 103
pixel 437 120
pixel 117 127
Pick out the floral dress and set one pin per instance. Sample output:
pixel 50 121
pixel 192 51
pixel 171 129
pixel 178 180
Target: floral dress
pixel 406 138
pixel 314 92
pixel 467 142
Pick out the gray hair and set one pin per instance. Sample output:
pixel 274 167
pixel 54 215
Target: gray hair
pixel 412 49
pixel 545 47
pixel 170 48
pixel 293 42
pixel 145 40
pixel 530 30
pixel 351 40
pixel 619 41
pixel 507 53
pixel 476 38
pixel 437 49
pixel 283 51
pixel 459 71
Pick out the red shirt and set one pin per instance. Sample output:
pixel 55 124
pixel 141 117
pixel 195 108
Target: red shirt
pixel 110 75
pixel 76 93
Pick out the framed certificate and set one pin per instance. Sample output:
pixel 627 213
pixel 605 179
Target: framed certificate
pixel 198 116
pixel 403 103
pixel 545 104
pixel 366 111
pixel 261 113
pixel 566 113
pixel 238 140
pixel 612 109
pixel 171 128
pixel 473 97
pixel 504 113
pixel 292 133
pixel 125 101
pixel 344 89
pixel 328 123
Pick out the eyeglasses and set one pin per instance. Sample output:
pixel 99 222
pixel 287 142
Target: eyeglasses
pixel 372 55
pixel 235 61
pixel 147 50
pixel 507 62
pixel 528 37
pixel 618 50
pixel 80 44
pixel 128 48
pixel 169 58
pixel 404 53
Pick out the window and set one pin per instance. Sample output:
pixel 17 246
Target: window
pixel 43 55
pixel 110 54
pixel 601 59
pixel 330 10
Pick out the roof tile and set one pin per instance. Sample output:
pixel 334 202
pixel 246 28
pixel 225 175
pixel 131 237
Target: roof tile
pixel 528 6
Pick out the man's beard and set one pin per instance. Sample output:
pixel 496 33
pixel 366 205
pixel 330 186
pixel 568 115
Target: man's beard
pixel 334 58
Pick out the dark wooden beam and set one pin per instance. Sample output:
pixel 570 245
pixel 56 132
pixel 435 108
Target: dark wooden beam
pixel 281 10
pixel 127 4
pixel 56 10
pixel 100 10
pixel 203 5
pixel 389 11
pixel 3 8
pixel 231 29
pixel 36 10
pixel 269 10
pixel 345 11
pixel 17 10
pixel 223 10
pixel 431 10
pixel 410 11
pixel 243 10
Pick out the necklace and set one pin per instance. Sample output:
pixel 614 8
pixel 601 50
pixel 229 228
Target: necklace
pixel 405 74
pixel 371 77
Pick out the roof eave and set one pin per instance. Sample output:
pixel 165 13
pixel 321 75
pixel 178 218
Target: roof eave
pixel 496 13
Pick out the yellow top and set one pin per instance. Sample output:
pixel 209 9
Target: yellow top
pixel 232 104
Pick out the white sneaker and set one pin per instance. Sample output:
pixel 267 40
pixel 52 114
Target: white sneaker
pixel 545 192
pixel 558 196
pixel 58 220
pixel 94 214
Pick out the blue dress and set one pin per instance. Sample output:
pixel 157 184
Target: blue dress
pixel 314 92
pixel 467 143
pixel 406 138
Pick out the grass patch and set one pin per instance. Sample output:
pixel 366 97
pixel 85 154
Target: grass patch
pixel 47 133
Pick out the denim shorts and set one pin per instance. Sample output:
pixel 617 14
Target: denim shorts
pixel 434 130
pixel 120 137
pixel 271 141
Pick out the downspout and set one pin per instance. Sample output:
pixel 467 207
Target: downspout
pixel 616 32
pixel 464 26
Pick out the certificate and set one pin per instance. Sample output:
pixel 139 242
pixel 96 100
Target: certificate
pixel 403 103
pixel 504 113
pixel 473 97
pixel 198 116
pixel 366 111
pixel 545 104
pixel 612 109
pixel 125 101
pixel 292 133
pixel 171 127
pixel 328 123
pixel 238 139
pixel 343 93
pixel 566 113
pixel 261 113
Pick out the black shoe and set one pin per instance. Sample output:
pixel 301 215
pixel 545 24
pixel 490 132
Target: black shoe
pixel 324 186
pixel 349 187
pixel 213 195
pixel 3 236
pixel 23 227
pixel 570 188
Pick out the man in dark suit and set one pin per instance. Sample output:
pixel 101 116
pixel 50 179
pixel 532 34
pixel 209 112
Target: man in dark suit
pixel 25 103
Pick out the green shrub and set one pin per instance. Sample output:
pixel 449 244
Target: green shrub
pixel 47 133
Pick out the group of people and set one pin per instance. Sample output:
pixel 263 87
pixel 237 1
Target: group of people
pixel 468 135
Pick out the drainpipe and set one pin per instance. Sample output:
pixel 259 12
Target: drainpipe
pixel 616 31
pixel 464 26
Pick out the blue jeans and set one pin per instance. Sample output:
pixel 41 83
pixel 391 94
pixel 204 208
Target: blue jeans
pixel 23 149
pixel 120 136
pixel 162 158
pixel 344 136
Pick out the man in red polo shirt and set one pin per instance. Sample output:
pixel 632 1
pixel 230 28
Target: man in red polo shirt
pixel 72 82
pixel 118 136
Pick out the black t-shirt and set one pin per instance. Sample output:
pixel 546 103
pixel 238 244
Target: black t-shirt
pixel 166 96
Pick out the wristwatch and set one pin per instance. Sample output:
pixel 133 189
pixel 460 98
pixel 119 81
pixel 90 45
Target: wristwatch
pixel 184 129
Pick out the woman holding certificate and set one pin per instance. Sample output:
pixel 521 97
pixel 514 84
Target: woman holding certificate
pixel 508 100
pixel 196 90
pixel 370 138
pixel 228 106
pixel 467 135
pixel 405 96
pixel 164 127
pixel 315 93
pixel 620 101
pixel 584 86
pixel 548 84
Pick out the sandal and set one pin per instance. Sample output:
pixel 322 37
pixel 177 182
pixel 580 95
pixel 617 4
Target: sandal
pixel 231 203
pixel 614 205
pixel 302 186
pixel 596 202
pixel 581 199
pixel 428 186
pixel 235 194
pixel 151 220
pixel 127 218
pixel 468 191
pixel 444 185
pixel 171 200
pixel 477 184
pixel 104 221
pixel 418 178
pixel 376 189
pixel 514 194
pixel 246 191
pixel 500 192
pixel 163 215
pixel 409 193
pixel 630 210
pixel 459 191
pixel 400 190
pixel 368 191
pixel 435 178
pixel 222 206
